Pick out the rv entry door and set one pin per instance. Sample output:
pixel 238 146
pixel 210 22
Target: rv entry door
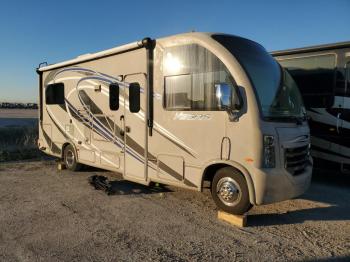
pixel 135 132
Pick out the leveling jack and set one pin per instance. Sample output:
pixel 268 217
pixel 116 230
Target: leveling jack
pixel 101 183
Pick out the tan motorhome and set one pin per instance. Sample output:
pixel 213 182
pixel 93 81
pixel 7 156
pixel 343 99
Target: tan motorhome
pixel 181 110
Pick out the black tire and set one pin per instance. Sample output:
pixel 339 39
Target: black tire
pixel 70 159
pixel 230 191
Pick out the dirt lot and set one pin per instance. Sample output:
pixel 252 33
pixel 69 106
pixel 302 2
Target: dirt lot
pixel 50 215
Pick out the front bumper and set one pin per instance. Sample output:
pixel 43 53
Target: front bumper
pixel 275 185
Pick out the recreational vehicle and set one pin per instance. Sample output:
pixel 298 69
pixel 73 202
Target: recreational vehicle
pixel 181 110
pixel 322 74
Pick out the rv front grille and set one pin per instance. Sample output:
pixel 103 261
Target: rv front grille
pixel 296 159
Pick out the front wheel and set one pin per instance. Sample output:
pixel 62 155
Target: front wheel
pixel 230 191
pixel 70 159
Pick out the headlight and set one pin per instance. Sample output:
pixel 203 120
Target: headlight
pixel 269 158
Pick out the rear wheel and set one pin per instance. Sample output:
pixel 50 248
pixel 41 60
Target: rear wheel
pixel 230 191
pixel 70 159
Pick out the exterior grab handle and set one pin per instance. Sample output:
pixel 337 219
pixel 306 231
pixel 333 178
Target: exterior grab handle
pixel 338 118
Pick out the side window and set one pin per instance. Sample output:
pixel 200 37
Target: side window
pixel 178 92
pixel 342 87
pixel 192 78
pixel 54 94
pixel 340 82
pixel 315 77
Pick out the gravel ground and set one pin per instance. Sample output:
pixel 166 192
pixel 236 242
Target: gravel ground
pixel 50 215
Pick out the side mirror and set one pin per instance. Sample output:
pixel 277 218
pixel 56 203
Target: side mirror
pixel 223 94
pixel 134 97
pixel 228 98
pixel 114 96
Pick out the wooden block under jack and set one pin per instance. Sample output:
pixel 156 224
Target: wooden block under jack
pixel 236 220
pixel 61 166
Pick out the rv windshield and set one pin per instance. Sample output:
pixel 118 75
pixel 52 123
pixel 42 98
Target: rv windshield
pixel 277 92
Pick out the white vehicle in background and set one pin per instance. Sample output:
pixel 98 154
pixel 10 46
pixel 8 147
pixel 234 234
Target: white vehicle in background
pixel 182 110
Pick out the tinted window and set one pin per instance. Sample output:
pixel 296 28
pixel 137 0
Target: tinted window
pixel 134 97
pixel 192 75
pixel 315 77
pixel 348 77
pixel 340 82
pixel 343 81
pixel 55 94
pixel 114 96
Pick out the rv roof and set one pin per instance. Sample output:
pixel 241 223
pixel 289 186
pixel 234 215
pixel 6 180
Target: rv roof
pixel 105 53
pixel 312 48
pixel 89 57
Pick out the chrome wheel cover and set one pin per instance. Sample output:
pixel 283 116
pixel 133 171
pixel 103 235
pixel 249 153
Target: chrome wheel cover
pixel 228 191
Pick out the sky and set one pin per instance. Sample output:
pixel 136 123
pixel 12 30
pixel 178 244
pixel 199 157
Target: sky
pixel 35 31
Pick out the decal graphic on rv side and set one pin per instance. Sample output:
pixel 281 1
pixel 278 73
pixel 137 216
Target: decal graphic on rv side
pixel 187 116
pixel 93 109
pixel 103 125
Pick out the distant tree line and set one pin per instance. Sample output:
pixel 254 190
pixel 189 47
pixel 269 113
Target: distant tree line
pixel 19 105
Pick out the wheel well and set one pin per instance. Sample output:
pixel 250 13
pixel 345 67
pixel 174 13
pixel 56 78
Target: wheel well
pixel 63 147
pixel 210 171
